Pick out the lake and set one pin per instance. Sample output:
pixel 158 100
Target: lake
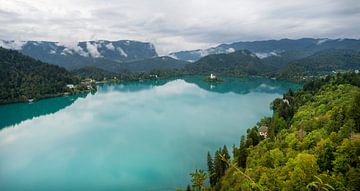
pixel 129 136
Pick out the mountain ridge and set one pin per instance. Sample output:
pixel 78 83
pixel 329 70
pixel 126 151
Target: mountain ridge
pixel 75 55
pixel 271 48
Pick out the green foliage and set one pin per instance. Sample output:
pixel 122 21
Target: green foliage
pixel 22 78
pixel 319 185
pixel 239 63
pixel 321 63
pixel 198 180
pixel 354 112
pixel 316 148
pixel 242 153
pixel 211 170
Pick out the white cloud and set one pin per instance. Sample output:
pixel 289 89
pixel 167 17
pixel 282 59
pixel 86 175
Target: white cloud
pixel 16 44
pixel 71 47
pixel 230 50
pixel 93 49
pixel 122 52
pixel 110 46
pixel 263 55
pixel 174 25
pixel 320 41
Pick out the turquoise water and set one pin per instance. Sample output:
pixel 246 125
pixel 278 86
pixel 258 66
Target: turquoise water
pixel 133 136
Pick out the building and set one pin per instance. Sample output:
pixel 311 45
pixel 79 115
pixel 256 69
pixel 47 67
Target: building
pixel 212 76
pixel 71 86
pixel 356 71
pixel 263 131
pixel 154 76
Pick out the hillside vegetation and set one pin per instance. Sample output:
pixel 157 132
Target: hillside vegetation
pixel 22 78
pixel 312 143
pixel 246 63
pixel 321 63
pixel 239 63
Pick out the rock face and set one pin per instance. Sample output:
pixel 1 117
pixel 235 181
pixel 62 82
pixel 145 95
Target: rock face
pixel 287 48
pixel 103 54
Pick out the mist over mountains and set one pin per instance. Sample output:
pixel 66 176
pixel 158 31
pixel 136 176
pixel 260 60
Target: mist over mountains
pixel 291 48
pixel 251 58
pixel 76 55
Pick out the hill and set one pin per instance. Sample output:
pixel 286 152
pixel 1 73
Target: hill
pixel 22 78
pixel 147 65
pixel 238 63
pixel 312 142
pixel 102 54
pixel 284 49
pixel 321 63
pixel 93 73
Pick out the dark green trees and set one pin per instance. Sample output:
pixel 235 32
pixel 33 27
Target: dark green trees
pixel 355 112
pixel 217 166
pixel 22 78
pixel 242 153
pixel 211 170
pixel 253 137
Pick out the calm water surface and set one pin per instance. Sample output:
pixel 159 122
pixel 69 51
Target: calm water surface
pixel 132 136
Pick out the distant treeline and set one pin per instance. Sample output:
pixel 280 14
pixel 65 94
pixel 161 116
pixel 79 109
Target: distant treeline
pixel 245 63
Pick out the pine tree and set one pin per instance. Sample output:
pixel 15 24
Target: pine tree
pixel 211 170
pixel 235 151
pixel 242 153
pixel 225 154
pixel 217 166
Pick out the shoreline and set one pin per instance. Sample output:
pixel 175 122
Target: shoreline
pixel 47 96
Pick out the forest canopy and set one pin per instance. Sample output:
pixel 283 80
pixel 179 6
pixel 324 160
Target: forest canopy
pixel 312 143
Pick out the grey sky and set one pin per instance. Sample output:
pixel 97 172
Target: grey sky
pixel 174 25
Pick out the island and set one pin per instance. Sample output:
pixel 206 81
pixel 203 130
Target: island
pixel 213 78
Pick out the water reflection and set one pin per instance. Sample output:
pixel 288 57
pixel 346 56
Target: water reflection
pixel 12 114
pixel 243 85
pixel 230 84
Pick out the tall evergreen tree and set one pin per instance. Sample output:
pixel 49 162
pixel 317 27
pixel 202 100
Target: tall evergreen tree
pixel 242 153
pixel 253 137
pixel 235 151
pixel 211 170
pixel 225 154
pixel 218 167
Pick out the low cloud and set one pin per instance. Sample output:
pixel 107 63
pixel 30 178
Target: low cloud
pixel 93 49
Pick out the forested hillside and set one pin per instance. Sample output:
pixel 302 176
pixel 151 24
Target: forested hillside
pixel 312 143
pixel 102 53
pixel 285 49
pixel 246 63
pixel 22 78
pixel 321 63
pixel 239 63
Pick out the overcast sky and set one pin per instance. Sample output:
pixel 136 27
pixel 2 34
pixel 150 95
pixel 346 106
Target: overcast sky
pixel 174 25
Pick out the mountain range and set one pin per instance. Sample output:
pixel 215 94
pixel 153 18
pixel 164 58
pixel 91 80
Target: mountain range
pixel 102 54
pixel 284 59
pixel 287 49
